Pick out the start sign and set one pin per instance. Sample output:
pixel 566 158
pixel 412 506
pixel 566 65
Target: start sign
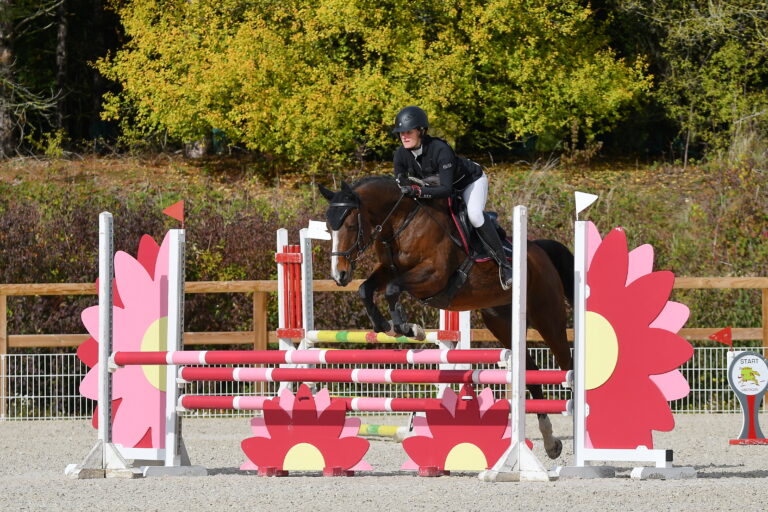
pixel 748 377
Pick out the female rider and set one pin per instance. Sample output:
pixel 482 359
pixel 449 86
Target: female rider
pixel 423 156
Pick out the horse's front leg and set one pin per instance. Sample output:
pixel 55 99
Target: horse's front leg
pixel 399 318
pixel 367 291
pixel 552 445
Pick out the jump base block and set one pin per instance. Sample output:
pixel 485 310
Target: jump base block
pixel 584 472
pixel 654 473
pixel 150 471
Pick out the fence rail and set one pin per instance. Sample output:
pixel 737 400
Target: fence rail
pixel 259 337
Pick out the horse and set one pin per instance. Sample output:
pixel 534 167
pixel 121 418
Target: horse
pixel 415 243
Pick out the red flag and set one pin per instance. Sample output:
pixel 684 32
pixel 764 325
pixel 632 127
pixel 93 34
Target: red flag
pixel 176 210
pixel 723 336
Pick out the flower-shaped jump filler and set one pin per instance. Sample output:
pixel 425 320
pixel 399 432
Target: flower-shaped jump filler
pixel 305 433
pixel 468 432
pixel 632 348
pixel 140 312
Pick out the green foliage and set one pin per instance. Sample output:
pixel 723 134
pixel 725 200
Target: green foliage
pixel 713 65
pixel 314 82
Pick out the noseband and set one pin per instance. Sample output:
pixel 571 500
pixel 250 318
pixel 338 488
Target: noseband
pixel 360 245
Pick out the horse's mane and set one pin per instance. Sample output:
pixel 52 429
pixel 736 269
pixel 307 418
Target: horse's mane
pixel 376 180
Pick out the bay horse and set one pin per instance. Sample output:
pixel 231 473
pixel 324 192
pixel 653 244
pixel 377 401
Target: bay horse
pixel 415 244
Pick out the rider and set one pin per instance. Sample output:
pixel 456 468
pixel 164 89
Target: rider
pixel 423 156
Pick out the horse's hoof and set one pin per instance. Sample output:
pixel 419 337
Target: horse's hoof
pixel 554 451
pixel 386 326
pixel 417 332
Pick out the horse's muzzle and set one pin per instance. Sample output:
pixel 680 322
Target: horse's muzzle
pixel 342 278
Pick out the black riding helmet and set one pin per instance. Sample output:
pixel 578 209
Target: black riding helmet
pixel 409 118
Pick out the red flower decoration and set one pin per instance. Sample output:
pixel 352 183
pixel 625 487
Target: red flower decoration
pixel 467 433
pixel 305 433
pixel 624 350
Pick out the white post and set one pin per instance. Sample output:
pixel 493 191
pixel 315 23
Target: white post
pixel 443 345
pixel 282 305
pixel 106 275
pixel 519 289
pixel 307 274
pixel 465 328
pixel 176 461
pixel 518 463
pixel 175 342
pixel 579 342
pixel 104 459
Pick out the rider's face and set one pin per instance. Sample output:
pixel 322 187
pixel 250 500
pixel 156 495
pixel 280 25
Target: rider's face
pixel 411 139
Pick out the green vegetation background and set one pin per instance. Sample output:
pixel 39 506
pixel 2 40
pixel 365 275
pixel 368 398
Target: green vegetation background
pixel 701 222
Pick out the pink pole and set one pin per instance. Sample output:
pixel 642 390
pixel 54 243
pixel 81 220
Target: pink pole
pixel 426 356
pixel 368 376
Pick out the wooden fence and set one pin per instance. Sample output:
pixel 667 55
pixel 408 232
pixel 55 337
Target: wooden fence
pixel 259 337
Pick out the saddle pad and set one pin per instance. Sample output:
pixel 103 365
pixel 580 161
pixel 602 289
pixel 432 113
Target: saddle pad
pixel 468 235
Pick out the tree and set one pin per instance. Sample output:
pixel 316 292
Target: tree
pixel 317 81
pixel 711 62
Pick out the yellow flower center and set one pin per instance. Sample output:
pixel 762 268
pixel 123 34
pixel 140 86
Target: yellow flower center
pixel 602 350
pixel 155 338
pixel 303 457
pixel 465 457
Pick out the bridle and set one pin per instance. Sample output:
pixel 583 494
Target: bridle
pixel 360 244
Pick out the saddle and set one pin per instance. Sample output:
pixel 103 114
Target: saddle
pixel 469 239
pixel 476 252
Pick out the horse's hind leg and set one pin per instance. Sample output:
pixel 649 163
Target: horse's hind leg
pixel 498 320
pixel 552 445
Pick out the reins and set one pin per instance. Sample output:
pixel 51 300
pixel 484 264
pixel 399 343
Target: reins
pixel 362 247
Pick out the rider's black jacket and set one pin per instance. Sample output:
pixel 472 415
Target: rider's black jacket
pixel 437 159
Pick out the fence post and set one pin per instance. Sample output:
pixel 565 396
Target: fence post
pixel 260 327
pixel 4 354
pixel 260 334
pixel 765 321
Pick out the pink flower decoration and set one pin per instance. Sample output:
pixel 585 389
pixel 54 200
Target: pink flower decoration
pixel 140 321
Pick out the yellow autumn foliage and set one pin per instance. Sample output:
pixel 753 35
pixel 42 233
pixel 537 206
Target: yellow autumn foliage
pixel 317 81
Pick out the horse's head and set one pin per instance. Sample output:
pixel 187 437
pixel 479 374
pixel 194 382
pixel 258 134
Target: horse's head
pixel 352 212
pixel 346 231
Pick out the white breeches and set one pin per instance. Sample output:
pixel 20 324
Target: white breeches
pixel 474 197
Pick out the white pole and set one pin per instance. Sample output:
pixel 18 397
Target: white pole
pixel 579 341
pixel 465 328
pixel 519 289
pixel 282 300
pixel 106 275
pixel 175 342
pixel 307 299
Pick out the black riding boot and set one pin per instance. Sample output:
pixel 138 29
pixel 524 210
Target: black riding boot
pixel 490 238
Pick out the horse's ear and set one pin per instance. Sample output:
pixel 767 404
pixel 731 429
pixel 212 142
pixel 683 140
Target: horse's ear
pixel 345 186
pixel 327 193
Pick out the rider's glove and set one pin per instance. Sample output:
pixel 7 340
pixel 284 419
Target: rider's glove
pixel 411 190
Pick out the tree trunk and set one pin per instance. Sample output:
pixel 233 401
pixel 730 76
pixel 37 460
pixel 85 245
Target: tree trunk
pixel 7 135
pixel 61 63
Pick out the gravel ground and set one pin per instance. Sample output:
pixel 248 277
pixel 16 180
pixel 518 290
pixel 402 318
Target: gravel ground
pixel 34 455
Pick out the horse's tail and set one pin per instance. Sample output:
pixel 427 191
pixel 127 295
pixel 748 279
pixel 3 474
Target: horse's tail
pixel 562 259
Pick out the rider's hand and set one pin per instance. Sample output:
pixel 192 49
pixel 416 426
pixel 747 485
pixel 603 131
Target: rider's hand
pixel 411 190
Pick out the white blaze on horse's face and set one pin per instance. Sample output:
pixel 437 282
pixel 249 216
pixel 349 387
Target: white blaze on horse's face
pixel 335 259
